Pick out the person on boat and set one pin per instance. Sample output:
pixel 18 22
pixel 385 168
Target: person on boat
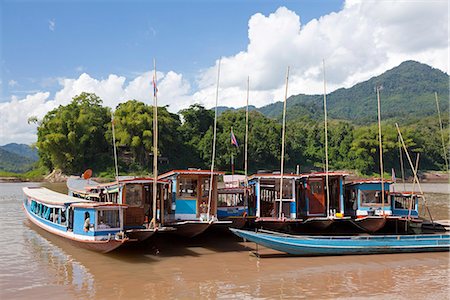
pixel 102 224
pixel 87 221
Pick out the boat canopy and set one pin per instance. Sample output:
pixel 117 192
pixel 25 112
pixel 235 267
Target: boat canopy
pixel 80 185
pixel 47 196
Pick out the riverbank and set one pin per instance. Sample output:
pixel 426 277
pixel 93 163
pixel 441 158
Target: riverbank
pixel 42 175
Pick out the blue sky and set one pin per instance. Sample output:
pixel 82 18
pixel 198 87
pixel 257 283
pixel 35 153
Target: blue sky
pixel 45 40
pixel 52 51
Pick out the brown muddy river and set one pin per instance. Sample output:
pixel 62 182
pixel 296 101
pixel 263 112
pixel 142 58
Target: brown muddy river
pixel 36 265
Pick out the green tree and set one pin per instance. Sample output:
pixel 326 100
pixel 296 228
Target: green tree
pixel 134 131
pixel 72 137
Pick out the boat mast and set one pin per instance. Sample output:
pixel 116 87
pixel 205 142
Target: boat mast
pixel 381 149
pixel 155 143
pixel 414 172
pixel 246 195
pixel 214 143
pixel 246 135
pixel 326 139
pixel 115 151
pixel 401 163
pixel 282 144
pixel 413 187
pixel 442 131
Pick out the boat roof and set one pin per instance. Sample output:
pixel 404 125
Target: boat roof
pixel 273 176
pixel 323 174
pixel 407 194
pixel 368 181
pixel 46 196
pixel 82 185
pixel 189 172
pixel 231 190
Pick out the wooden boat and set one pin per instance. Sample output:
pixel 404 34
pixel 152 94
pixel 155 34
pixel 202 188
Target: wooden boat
pixel 347 245
pixel 187 207
pixel 370 223
pixel 363 203
pixel 83 223
pixel 191 228
pixel 135 192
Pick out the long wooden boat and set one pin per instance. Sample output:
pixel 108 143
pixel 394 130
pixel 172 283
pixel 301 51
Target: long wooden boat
pixel 187 207
pixel 87 224
pixel 347 245
pixel 135 192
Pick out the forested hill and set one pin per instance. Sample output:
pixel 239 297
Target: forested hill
pixel 17 157
pixel 407 92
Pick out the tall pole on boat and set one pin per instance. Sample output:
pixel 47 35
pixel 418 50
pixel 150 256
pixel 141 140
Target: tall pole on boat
pixel 326 138
pixel 413 190
pixel 381 149
pixel 115 151
pixel 401 163
pixel 155 144
pixel 246 135
pixel 442 131
pixel 282 145
pixel 416 178
pixel 214 142
pixel 246 195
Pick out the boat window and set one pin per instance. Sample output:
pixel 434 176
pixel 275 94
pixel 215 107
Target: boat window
pixel 187 187
pixel 372 198
pixel 316 187
pixel 205 187
pixel 108 219
pixel 231 200
pixel 63 216
pixel 133 196
pixel 401 202
pixel 287 188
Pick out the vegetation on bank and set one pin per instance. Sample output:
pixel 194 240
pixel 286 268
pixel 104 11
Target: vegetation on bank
pixel 38 173
pixel 78 136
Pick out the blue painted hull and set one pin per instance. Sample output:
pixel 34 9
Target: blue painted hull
pixel 334 245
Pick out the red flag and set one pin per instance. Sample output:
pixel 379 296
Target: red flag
pixel 233 139
pixel 155 89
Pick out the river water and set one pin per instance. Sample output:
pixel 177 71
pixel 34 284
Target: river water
pixel 36 265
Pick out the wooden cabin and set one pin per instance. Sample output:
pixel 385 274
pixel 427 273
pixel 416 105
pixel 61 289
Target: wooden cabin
pixel 312 194
pixel 363 198
pixel 266 188
pixel 189 194
pixel 135 192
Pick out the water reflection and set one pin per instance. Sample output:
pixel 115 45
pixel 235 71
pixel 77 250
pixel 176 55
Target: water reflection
pixel 36 264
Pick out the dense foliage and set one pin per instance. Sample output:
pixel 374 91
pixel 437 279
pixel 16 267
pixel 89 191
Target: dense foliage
pixel 73 137
pixel 78 135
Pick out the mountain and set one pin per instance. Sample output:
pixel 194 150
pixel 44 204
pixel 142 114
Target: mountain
pixel 12 162
pixel 221 109
pixel 21 150
pixel 407 93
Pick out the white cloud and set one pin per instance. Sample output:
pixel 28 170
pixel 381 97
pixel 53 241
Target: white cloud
pixel 51 25
pixel 173 91
pixel 362 40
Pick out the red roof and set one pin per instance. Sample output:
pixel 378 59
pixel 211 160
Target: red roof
pixel 271 175
pixel 189 172
pixel 374 180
